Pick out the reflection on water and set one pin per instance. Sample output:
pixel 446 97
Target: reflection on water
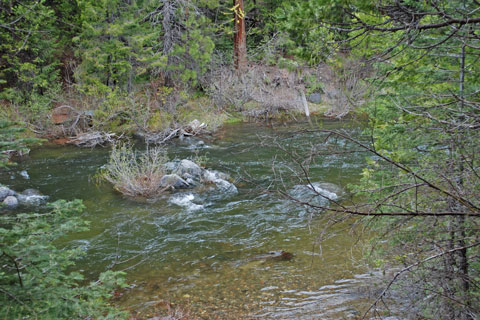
pixel 195 248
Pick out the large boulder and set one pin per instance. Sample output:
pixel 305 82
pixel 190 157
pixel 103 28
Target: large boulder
pixel 173 181
pixel 31 197
pixel 11 202
pixel 171 166
pixel 189 169
pixel 5 192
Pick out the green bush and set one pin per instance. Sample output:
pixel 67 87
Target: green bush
pixel 34 277
pixel 11 140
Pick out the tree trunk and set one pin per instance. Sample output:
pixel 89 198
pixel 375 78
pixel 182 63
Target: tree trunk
pixel 240 37
pixel 168 13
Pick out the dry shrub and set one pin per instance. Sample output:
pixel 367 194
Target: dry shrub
pixel 260 88
pixel 270 87
pixel 344 85
pixel 135 173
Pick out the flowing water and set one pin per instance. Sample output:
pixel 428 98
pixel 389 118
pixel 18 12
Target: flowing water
pixel 195 249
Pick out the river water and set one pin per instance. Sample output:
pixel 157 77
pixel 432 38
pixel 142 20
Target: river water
pixel 195 249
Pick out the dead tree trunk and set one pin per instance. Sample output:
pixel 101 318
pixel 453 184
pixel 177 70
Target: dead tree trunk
pixel 240 37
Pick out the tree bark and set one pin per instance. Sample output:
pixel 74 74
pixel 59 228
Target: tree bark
pixel 240 37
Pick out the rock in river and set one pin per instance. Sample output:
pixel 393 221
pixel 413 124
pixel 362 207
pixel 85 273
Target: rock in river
pixel 186 200
pixel 189 169
pixel 10 202
pixel 5 192
pixel 174 181
pixel 31 197
pixel 274 256
pixel 220 180
pixel 317 193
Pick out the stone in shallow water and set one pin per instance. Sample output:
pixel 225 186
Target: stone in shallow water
pixel 316 193
pixel 31 192
pixel 189 167
pixel 226 186
pixel 5 192
pixel 25 174
pixel 10 202
pixel 31 197
pixel 186 200
pixel 220 180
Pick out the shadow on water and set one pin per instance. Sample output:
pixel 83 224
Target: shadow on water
pixel 195 248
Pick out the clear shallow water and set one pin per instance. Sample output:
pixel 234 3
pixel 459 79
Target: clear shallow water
pixel 194 249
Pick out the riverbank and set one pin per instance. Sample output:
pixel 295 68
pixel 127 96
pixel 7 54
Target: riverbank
pixel 155 113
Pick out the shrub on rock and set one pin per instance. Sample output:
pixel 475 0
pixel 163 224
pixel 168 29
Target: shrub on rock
pixel 135 173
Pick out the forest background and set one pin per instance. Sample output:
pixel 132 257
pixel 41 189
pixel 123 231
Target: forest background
pixel 410 67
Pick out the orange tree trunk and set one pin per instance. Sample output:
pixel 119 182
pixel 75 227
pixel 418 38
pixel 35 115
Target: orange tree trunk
pixel 240 38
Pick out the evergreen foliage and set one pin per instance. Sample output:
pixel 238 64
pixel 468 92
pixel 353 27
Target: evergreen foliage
pixel 35 280
pixel 33 39
pixel 422 183
pixel 12 141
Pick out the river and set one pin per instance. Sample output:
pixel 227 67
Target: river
pixel 198 253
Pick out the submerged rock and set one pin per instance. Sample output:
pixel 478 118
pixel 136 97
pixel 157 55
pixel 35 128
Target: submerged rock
pixel 186 200
pixel 226 186
pixel 220 180
pixel 210 176
pixel 194 143
pixel 11 202
pixel 173 181
pixel 25 174
pixel 274 256
pixel 31 192
pixel 258 260
pixel 328 189
pixel 318 193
